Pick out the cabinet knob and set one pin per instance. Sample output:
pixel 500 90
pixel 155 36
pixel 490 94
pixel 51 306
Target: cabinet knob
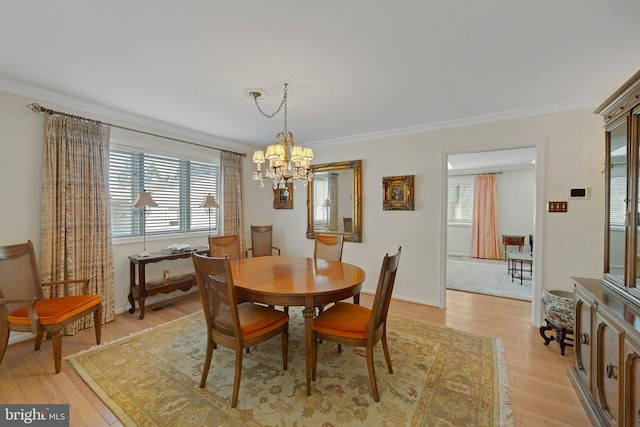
pixel 584 338
pixel 610 370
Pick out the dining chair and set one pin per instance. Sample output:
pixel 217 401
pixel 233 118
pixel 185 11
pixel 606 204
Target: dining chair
pixel 352 324
pixel 23 307
pixel 219 246
pixel 232 325
pixel 328 246
pixel 261 241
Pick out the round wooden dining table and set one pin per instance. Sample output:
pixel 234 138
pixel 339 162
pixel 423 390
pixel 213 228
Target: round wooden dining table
pixel 296 281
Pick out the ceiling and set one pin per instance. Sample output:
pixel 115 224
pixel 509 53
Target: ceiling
pixel 355 68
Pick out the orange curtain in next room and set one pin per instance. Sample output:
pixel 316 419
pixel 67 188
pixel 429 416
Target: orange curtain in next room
pixel 484 222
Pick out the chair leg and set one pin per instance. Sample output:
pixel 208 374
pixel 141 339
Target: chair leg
pixel 314 359
pixel 56 341
pixel 97 323
pixel 4 340
pixel 372 373
pixel 236 379
pixel 207 362
pixel 38 341
pixel 386 351
pixel 285 349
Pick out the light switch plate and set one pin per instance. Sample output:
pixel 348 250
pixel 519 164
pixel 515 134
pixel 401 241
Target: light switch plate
pixel 557 207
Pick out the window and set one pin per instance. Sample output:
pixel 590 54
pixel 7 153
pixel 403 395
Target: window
pixel 460 203
pixel 321 195
pixel 178 186
pixel 617 197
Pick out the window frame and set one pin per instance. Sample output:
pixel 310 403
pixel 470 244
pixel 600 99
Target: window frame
pixel 191 221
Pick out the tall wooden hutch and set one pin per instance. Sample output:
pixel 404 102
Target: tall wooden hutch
pixel 606 368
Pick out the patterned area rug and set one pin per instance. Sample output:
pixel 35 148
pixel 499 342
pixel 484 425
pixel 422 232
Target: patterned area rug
pixel 441 377
pixel 486 278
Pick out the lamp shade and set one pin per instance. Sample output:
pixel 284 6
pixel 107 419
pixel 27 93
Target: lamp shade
pixel 144 199
pixel 258 156
pixel 209 202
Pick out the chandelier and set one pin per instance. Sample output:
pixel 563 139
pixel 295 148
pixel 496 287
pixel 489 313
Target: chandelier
pixel 287 162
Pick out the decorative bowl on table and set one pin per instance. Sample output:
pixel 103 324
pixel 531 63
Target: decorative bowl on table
pixel 558 307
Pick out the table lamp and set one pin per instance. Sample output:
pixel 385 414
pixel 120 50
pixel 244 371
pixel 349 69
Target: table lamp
pixel 144 202
pixel 209 202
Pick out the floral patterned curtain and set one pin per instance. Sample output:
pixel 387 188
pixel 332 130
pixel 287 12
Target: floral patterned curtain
pixel 76 217
pixel 333 201
pixel 484 221
pixel 232 198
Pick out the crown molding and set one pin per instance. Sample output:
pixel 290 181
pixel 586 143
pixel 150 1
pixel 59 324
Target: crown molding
pixel 120 117
pixel 587 103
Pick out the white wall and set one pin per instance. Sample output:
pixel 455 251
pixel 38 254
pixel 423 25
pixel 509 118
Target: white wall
pixel 572 243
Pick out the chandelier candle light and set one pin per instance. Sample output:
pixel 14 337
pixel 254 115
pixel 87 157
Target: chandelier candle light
pixel 287 162
pixel 144 202
pixel 210 203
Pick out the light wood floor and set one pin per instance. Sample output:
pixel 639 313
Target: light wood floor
pixel 541 394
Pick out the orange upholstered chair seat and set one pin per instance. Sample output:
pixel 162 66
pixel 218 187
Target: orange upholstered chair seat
pixel 55 310
pixel 344 320
pixel 255 320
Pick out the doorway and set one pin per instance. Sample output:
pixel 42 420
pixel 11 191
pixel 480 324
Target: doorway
pixel 519 178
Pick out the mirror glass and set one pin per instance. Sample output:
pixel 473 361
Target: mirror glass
pixel 617 200
pixel 333 200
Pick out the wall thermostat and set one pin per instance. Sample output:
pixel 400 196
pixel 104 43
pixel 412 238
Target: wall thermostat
pixel 580 193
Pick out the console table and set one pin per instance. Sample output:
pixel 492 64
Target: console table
pixel 512 241
pixel 143 289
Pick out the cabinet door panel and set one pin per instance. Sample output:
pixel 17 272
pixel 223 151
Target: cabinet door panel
pixel 632 382
pixel 583 344
pixel 609 378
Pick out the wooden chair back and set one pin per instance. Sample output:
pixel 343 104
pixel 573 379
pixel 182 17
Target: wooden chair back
pixel 381 302
pixel 19 276
pixel 218 295
pixel 262 241
pixel 219 246
pixel 328 246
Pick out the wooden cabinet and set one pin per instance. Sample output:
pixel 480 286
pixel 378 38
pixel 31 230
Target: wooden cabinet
pixel 606 368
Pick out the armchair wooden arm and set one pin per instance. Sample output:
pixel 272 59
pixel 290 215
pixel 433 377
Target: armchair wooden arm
pixel 85 284
pixel 34 319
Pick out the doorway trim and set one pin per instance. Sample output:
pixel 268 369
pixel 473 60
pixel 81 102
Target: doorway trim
pixel 538 218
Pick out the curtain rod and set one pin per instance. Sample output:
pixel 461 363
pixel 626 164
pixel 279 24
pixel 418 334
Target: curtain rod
pixel 37 108
pixel 469 174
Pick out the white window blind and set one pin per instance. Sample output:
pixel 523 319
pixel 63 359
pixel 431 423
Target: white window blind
pixel 178 186
pixel 617 196
pixel 460 203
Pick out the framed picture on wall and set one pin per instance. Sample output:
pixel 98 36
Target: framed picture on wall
pixel 397 193
pixel 283 197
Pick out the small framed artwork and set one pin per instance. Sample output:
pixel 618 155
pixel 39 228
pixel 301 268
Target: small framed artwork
pixel 283 197
pixel 397 193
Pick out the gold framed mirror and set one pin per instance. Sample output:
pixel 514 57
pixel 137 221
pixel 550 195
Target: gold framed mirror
pixel 334 200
